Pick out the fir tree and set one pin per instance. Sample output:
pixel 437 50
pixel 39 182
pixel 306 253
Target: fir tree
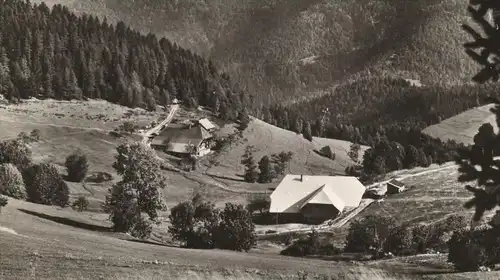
pixel 486 141
pixel 267 173
pixel 251 174
pixel 307 131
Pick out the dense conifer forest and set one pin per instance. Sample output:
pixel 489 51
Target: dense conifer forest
pixel 52 53
pixel 367 111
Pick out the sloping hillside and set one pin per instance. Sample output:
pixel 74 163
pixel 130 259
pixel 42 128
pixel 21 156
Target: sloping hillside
pixel 67 126
pixel 64 244
pixel 462 127
pixel 431 195
pixel 268 139
pixel 301 46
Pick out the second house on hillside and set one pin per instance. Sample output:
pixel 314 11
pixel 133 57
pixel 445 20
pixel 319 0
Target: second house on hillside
pixel 183 140
pixel 314 199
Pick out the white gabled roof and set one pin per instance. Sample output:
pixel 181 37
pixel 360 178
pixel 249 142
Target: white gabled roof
pixel 206 124
pixel 292 194
pixel 325 195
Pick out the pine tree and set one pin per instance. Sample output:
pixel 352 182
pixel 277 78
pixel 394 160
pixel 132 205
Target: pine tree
pixel 281 161
pixel 251 174
pixel 486 141
pixel 319 127
pixel 307 131
pixel 267 173
pixel 490 44
pixel 354 152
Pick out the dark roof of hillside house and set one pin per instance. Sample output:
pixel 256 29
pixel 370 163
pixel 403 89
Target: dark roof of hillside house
pixel 176 134
pixel 396 183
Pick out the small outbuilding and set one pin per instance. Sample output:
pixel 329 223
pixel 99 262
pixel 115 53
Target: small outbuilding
pixel 394 186
pixel 206 124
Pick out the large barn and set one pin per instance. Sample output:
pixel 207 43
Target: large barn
pixel 182 140
pixel 315 198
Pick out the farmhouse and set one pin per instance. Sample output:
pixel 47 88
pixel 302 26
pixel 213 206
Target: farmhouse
pixel 315 198
pixel 182 140
pixel 394 186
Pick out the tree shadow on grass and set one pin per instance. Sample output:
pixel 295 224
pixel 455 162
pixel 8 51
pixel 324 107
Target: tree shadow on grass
pixel 151 243
pixel 68 222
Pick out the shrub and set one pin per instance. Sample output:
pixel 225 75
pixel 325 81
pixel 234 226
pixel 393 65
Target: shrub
pixel 11 181
pixel 326 151
pixel 432 237
pixel 23 136
pixel 3 202
pixel 304 246
pixel 77 166
pixel 81 204
pixel 329 250
pixel 128 126
pixel 203 226
pixel 287 238
pixel 427 237
pixel 194 224
pixel 399 241
pixel 99 177
pixel 35 135
pixel 236 230
pixel 15 152
pixel 470 249
pixel 259 203
pixel 369 234
pixel 44 185
pixel 142 228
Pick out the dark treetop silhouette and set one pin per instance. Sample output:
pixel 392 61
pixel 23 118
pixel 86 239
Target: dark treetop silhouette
pixel 486 142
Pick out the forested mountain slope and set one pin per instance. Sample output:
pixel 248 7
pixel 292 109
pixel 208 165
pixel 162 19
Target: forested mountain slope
pixel 52 53
pixel 300 47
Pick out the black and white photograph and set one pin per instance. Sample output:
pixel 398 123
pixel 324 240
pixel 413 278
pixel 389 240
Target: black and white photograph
pixel 249 139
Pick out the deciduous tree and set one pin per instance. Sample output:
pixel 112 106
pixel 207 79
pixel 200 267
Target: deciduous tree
pixel 138 192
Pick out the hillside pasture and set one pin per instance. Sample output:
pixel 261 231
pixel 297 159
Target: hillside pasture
pixel 429 197
pixel 69 125
pixel 91 114
pixel 462 127
pixel 268 139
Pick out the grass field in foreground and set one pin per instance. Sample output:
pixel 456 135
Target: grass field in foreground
pixel 42 242
pixel 52 243
pixel 464 126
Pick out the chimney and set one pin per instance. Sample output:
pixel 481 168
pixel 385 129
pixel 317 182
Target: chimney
pixel 301 177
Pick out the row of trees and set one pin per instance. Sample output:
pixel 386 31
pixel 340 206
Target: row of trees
pixel 267 169
pixel 52 53
pixel 381 235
